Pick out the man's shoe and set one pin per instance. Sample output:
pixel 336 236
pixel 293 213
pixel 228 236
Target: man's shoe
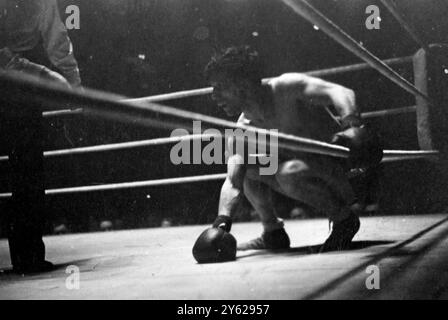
pixel 342 234
pixel 274 240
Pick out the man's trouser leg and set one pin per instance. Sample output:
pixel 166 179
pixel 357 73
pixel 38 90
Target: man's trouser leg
pixel 27 205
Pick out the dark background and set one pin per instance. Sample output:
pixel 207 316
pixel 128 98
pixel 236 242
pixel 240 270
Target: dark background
pixel 176 39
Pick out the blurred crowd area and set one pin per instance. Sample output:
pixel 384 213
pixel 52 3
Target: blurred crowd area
pixel 145 47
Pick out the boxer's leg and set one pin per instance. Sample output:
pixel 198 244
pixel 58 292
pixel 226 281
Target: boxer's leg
pixel 258 191
pixel 320 183
pixel 259 195
pixel 317 182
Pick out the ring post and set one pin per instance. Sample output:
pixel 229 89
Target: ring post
pixel 431 77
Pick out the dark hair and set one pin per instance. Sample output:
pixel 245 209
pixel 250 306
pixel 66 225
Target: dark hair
pixel 33 8
pixel 236 63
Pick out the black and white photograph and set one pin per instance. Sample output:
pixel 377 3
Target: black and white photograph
pixel 224 155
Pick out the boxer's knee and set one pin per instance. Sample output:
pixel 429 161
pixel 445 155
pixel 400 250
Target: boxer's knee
pixel 324 177
pixel 292 173
pixel 304 182
pixel 293 167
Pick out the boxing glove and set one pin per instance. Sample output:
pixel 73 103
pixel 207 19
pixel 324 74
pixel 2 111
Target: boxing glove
pixel 214 245
pixel 366 147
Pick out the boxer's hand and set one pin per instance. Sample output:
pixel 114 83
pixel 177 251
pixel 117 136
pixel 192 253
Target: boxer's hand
pixel 366 148
pixel 223 222
pixel 216 244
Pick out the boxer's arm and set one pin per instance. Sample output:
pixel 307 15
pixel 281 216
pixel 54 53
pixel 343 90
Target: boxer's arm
pixel 233 185
pixel 227 199
pixel 319 92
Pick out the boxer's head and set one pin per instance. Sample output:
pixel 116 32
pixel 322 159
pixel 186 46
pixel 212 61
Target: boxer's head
pixel 26 11
pixel 235 76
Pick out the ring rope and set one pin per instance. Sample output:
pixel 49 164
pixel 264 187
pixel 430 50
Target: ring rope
pixel 205 91
pixel 337 34
pixel 163 141
pixel 98 103
pixel 314 73
pixel 169 140
pixel 388 112
pixel 390 156
pixel 129 185
pixel 150 114
pixel 403 155
pixel 58 113
pixel 120 146
pixel 308 12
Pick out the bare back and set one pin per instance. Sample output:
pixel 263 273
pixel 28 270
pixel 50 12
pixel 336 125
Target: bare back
pixel 290 114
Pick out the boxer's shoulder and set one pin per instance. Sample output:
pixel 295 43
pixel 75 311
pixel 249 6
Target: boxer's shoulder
pixel 286 80
pixel 288 85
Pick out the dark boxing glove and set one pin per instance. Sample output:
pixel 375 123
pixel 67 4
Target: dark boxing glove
pixel 366 148
pixel 214 245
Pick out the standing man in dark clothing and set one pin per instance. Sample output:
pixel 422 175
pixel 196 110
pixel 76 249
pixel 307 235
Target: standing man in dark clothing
pixel 31 32
pixel 33 39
